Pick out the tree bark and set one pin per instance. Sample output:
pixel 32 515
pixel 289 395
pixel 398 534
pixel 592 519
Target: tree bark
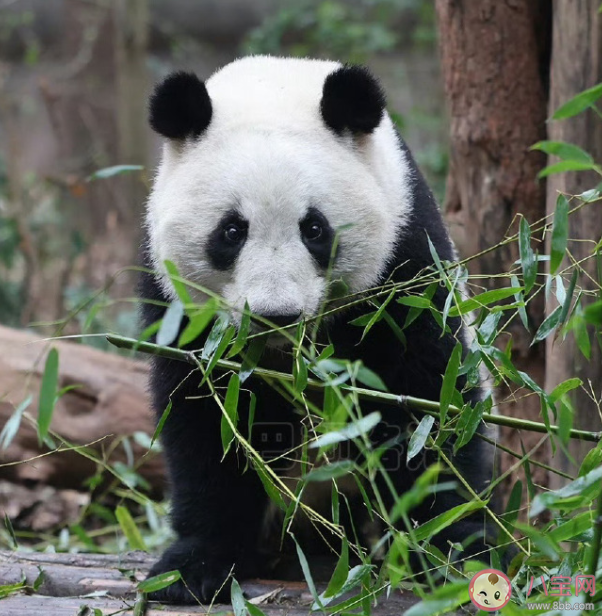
pixel 493 61
pixel 575 66
pixel 109 402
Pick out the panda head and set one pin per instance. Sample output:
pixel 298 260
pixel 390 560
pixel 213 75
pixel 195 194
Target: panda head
pixel 263 166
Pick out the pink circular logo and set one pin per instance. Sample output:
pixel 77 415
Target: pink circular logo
pixel 490 590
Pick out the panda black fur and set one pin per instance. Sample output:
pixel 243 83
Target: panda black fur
pixel 260 166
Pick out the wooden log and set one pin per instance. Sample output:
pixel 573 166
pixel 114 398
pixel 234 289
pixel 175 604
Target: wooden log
pixel 68 577
pixel 109 401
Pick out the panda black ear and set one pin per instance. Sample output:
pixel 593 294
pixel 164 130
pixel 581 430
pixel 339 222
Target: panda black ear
pixel 352 99
pixel 180 106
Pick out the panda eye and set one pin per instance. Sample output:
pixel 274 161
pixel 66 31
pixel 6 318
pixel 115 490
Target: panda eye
pixel 234 233
pixel 312 230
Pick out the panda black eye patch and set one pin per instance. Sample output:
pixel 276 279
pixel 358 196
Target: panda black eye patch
pixel 227 240
pixel 317 235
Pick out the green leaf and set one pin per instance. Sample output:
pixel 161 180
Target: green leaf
pixel 527 258
pixel 11 427
pixel 564 387
pixel 198 322
pixel 161 423
pixel 158 582
pixel 48 391
pixel 569 296
pixel 253 609
pixel 109 172
pixel 592 460
pixel 178 285
pixel 450 377
pixel 231 408
pixel 566 165
pixel 444 600
pixel 572 528
pixel 251 358
pixel 443 520
pixel 565 151
pixel 369 378
pixel 565 421
pixel 350 431
pixel 560 233
pixel 549 324
pixel 299 373
pixel 339 576
pixel 237 599
pixel 418 439
pixel 129 528
pixel 170 325
pixel 558 498
pixel 268 485
pixel 520 299
pixel 377 316
pixel 243 332
pixel 468 423
pixel 219 352
pixel 578 103
pixel 334 470
pixel 483 299
pixel 593 313
pixel 307 573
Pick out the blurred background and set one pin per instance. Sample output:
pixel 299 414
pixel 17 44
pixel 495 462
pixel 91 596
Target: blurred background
pixel 74 80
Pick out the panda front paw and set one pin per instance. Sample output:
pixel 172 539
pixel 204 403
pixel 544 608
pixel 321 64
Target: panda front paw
pixel 204 576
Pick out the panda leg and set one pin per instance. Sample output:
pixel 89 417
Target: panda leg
pixel 217 509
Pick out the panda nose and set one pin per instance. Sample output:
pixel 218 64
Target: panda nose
pixel 282 320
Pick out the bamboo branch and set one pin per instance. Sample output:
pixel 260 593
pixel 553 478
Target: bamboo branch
pixel 429 407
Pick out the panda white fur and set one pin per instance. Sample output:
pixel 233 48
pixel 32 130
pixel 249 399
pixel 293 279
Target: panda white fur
pixel 262 164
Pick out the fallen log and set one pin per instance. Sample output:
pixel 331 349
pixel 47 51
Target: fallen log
pixel 72 582
pixel 109 401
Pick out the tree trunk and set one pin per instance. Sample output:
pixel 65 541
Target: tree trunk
pixel 493 55
pixel 577 65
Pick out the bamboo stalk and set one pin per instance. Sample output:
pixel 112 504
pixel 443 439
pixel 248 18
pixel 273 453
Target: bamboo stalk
pixel 429 407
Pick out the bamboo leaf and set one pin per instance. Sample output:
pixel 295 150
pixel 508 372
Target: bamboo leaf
pixel 483 299
pixel 443 520
pixel 350 431
pixel 527 257
pixel 109 172
pixel 331 471
pixel 565 151
pixel 178 285
pixel 170 325
pixel 418 439
pixel 237 599
pixel 198 322
pixel 243 332
pixel 129 528
pixel 11 427
pixel 578 103
pixel 549 324
pixel 449 381
pixel 566 165
pixel 339 575
pixel 48 390
pixel 560 233
pixel 564 387
pixel 158 582
pixel 469 422
pixel 520 299
pixel 231 409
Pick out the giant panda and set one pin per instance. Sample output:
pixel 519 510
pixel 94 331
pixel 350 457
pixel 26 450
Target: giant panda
pixel 263 166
